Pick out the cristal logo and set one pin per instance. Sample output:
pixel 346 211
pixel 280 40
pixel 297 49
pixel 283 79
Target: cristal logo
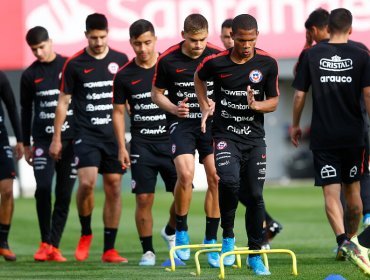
pixel 336 63
pixel 63 17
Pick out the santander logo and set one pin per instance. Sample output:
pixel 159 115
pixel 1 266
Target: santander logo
pixel 64 19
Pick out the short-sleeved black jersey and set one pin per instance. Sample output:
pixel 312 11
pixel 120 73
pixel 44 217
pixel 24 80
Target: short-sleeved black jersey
pixel 337 73
pixel 133 84
pixel 40 84
pixel 232 118
pixel 302 54
pixel 7 96
pixel 175 72
pixel 90 82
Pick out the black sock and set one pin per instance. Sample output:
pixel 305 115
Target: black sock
pixel 85 222
pixel 109 238
pixel 147 244
pixel 4 232
pixel 169 230
pixel 341 238
pixel 181 222
pixel 212 227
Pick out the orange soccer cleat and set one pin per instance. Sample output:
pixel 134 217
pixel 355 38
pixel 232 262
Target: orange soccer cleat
pixel 113 257
pixel 43 252
pixel 83 247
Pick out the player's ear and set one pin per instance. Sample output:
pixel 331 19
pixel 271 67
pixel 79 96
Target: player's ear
pixel 183 34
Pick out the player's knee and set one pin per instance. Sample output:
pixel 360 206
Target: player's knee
pixel 143 201
pixel 6 193
pixel 185 178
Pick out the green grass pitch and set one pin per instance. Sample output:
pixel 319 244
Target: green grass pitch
pixel 299 207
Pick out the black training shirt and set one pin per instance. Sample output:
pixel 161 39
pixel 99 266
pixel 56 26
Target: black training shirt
pixel 40 84
pixel 90 82
pixel 337 73
pixel 133 84
pixel 175 72
pixel 232 118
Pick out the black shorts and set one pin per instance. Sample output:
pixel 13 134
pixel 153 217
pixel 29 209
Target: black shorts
pixel 186 136
pixel 7 167
pixel 146 161
pixel 239 165
pixel 338 166
pixel 103 155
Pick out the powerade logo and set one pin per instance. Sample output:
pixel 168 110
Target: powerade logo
pixel 336 63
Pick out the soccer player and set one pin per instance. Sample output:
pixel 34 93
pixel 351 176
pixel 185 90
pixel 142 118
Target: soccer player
pixel 150 149
pixel 357 250
pixel 317 31
pixel 174 72
pixel 88 79
pixel 339 73
pixel 246 87
pixel 7 168
pixel 39 92
pixel 225 36
pixel 271 227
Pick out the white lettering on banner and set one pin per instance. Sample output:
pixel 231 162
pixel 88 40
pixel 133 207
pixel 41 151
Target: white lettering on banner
pixel 65 20
pixel 97 96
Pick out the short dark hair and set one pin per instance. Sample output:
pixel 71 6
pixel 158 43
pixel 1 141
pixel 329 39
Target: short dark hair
pixel 96 21
pixel 244 22
pixel 318 18
pixel 340 20
pixel 195 23
pixel 227 23
pixel 37 35
pixel 139 27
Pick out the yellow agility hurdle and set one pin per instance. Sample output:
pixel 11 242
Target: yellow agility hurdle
pixel 190 246
pixel 249 252
pixel 238 258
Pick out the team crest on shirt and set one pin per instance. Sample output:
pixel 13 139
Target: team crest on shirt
pixel 221 145
pixel 39 152
pixel 173 148
pixel 255 76
pixel 113 67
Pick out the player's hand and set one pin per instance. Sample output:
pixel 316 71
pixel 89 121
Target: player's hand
pixel 124 158
pixel 28 155
pixel 203 122
pixel 250 98
pixel 55 150
pixel 183 109
pixel 19 150
pixel 295 135
pixel 212 106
